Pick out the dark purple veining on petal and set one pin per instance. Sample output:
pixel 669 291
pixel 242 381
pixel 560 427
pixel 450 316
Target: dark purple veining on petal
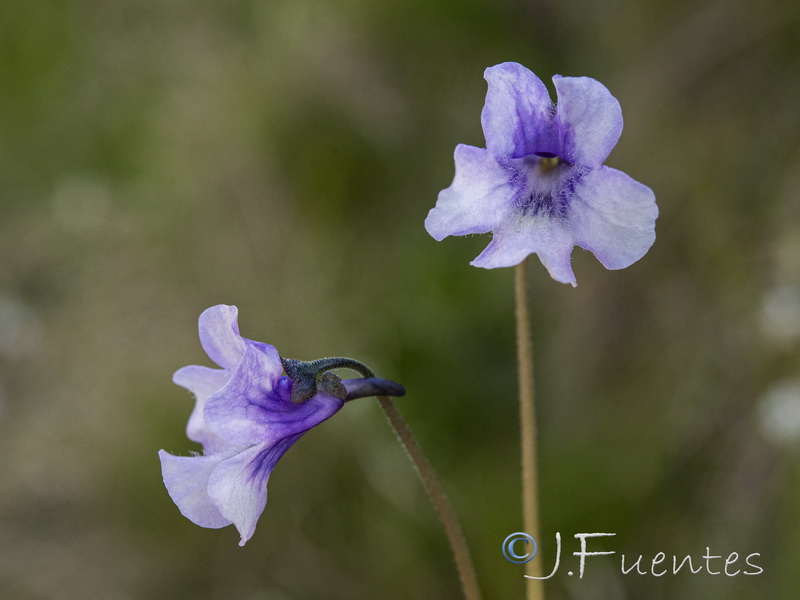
pixel 570 183
pixel 271 408
pixel 549 185
pixel 282 412
pixel 264 462
pixel 536 205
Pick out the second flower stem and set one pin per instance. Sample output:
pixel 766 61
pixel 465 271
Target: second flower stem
pixel 534 588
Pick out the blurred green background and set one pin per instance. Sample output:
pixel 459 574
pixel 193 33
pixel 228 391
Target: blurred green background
pixel 158 157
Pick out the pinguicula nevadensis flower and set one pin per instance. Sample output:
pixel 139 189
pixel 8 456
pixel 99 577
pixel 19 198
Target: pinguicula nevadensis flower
pixel 540 185
pixel 246 417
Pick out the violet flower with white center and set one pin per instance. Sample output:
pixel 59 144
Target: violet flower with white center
pixel 540 185
pixel 245 419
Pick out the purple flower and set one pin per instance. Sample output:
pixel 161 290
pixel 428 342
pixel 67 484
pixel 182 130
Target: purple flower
pixel 540 185
pixel 244 419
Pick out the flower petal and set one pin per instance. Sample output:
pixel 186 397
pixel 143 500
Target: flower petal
pixel 238 486
pixel 476 200
pixel 548 237
pixel 589 120
pixel 219 335
pixel 255 407
pixel 202 382
pixel 613 216
pixel 186 479
pixel 517 115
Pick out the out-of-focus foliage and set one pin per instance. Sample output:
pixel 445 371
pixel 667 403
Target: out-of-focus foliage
pixel 161 156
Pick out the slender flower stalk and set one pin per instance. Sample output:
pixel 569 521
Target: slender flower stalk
pixel 452 528
pixel 534 588
pixel 436 494
pixel 307 385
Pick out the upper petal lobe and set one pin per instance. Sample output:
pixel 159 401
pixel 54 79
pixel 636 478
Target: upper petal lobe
pixel 219 335
pixel 518 110
pixel 588 118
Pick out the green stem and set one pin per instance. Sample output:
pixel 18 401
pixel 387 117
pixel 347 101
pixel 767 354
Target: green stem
pixel 452 528
pixel 534 588
pixel 436 494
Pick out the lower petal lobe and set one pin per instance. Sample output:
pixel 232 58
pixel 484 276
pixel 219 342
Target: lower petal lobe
pixel 613 216
pixel 477 200
pixel 238 486
pixel 186 479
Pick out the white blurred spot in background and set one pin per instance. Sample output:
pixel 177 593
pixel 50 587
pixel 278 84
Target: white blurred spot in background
pixel 20 329
pixel 779 412
pixel 780 313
